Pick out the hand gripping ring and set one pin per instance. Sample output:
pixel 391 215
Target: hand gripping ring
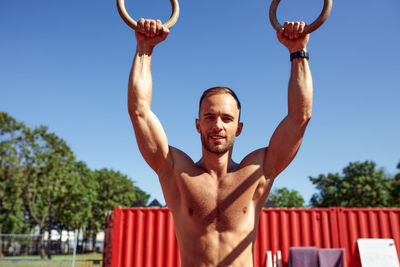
pixel 309 28
pixel 133 24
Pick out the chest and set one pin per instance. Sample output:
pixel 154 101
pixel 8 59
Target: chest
pixel 222 203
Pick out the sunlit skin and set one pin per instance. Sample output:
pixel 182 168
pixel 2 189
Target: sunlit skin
pixel 218 123
pixel 216 202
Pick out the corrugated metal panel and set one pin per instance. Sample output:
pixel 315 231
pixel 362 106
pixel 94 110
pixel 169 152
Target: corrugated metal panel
pixel 146 237
pixel 280 229
pixel 366 223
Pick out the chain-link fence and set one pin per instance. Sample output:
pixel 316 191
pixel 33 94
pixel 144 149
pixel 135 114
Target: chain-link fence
pixel 24 250
pixel 32 244
pixel 49 263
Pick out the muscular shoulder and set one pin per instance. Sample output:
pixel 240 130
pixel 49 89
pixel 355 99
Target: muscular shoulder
pixel 171 180
pixel 181 162
pixel 180 158
pixel 254 158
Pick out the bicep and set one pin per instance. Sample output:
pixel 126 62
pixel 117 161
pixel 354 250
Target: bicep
pixel 283 146
pixel 152 140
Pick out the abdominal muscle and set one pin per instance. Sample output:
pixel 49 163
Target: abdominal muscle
pixel 216 244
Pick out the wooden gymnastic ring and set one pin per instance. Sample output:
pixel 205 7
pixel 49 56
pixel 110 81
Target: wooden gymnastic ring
pixel 133 24
pixel 309 28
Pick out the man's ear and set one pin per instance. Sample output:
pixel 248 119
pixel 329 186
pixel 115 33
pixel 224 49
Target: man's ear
pixel 239 129
pixel 198 125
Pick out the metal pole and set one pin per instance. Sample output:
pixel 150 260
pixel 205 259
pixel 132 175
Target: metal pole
pixel 75 244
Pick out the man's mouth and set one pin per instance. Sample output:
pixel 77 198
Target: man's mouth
pixel 216 137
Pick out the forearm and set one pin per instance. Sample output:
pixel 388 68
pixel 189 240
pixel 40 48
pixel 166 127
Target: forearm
pixel 300 91
pixel 140 82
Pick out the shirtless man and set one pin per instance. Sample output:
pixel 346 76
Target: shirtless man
pixel 216 202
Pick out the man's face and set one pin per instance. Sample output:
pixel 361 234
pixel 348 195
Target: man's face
pixel 218 123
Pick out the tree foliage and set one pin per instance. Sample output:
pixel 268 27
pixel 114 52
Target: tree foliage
pixel 113 189
pixel 360 185
pixel 12 184
pixel 42 186
pixel 12 137
pixel 285 198
pixel 77 205
pixel 396 189
pixel 48 163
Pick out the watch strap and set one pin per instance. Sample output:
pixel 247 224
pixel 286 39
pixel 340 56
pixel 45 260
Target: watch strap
pixel 301 54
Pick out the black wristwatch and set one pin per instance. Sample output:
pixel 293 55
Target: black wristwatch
pixel 301 54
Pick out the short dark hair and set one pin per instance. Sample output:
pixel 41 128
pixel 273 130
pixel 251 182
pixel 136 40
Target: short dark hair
pixel 220 90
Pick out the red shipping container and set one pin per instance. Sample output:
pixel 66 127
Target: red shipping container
pixel 146 236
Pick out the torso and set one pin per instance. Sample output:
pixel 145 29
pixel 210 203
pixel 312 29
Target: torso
pixel 216 218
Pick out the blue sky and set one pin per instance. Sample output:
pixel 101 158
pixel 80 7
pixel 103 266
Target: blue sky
pixel 65 64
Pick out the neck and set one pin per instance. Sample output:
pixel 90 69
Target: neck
pixel 217 164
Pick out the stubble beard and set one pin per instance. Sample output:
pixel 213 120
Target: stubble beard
pixel 219 149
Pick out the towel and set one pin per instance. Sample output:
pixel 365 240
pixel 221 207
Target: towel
pixel 303 257
pixel 330 257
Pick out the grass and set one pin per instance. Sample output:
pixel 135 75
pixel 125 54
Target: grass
pixel 90 256
pixel 56 261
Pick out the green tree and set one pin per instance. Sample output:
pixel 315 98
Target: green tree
pixel 361 185
pixel 48 163
pixel 113 189
pixel 285 198
pixel 43 186
pixel 12 136
pixel 76 205
pixel 395 192
pixel 36 168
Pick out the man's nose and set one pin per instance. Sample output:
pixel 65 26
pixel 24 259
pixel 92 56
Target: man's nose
pixel 217 124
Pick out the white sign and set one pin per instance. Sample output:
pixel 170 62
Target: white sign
pixel 378 252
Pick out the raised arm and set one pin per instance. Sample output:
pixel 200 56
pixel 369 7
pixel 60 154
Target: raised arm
pixel 150 135
pixel 288 136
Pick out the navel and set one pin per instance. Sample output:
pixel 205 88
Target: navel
pixel 244 209
pixel 190 211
